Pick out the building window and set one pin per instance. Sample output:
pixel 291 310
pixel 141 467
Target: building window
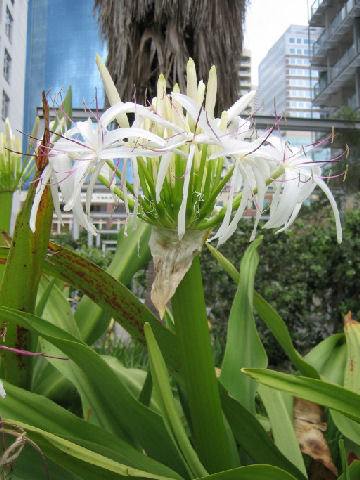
pixel 5 106
pixel 298 51
pixel 292 40
pixel 7 65
pixel 292 61
pixel 298 40
pixel 292 50
pixel 8 24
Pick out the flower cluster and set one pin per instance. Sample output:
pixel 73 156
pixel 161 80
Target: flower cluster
pixel 182 158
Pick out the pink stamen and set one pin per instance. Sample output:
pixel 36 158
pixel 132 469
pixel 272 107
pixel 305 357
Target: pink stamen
pixel 31 354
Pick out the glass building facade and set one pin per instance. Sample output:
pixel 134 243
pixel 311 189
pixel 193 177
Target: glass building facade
pixel 62 41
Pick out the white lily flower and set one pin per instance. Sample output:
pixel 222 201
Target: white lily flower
pixel 295 185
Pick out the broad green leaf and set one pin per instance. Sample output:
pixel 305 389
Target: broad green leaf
pixel 132 253
pixel 268 315
pixel 329 358
pixel 93 458
pixel 353 470
pixel 30 466
pixel 111 404
pixel 113 297
pixel 213 442
pixel 317 391
pixel 20 280
pixel 352 369
pixel 282 426
pixel 46 380
pixel 172 420
pixel 252 472
pixel 36 410
pixel 252 437
pixel 243 346
pixel 345 467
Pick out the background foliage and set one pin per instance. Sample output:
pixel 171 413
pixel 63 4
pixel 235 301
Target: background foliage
pixel 306 276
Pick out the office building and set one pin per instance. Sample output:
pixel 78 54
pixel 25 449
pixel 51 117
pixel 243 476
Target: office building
pixel 336 54
pixel 62 41
pixel 286 77
pixel 13 15
pixel 245 72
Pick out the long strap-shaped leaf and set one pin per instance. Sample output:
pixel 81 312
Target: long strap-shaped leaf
pixel 252 472
pixel 132 252
pixel 252 437
pixel 113 297
pixel 272 319
pixel 172 420
pixel 317 391
pixel 23 406
pixel 109 400
pixel 86 456
pixel 243 345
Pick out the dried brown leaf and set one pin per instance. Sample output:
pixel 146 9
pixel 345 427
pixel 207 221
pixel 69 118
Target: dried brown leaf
pixel 309 428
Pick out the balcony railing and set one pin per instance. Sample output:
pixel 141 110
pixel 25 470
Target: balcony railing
pixel 316 5
pixel 335 71
pixel 344 61
pixel 328 34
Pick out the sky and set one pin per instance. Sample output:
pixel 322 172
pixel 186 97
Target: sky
pixel 266 21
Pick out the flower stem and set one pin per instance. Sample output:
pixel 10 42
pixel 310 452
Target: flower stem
pixel 211 440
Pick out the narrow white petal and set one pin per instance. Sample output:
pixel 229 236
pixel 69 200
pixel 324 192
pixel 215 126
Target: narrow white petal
pixel 240 105
pixel 182 209
pixel 163 167
pixel 40 187
pixel 327 191
pixel 91 186
pixel 79 177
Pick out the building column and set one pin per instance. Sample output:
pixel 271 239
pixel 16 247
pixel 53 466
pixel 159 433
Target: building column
pixel 75 229
pixel 357 87
pixel 356 34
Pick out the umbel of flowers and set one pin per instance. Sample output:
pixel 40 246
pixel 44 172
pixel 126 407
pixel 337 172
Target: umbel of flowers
pixel 182 157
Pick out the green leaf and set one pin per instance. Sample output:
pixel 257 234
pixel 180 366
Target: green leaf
pixel 172 420
pixel 270 317
pixel 282 425
pixel 252 437
pixel 252 472
pixel 353 470
pixel 243 345
pixel 113 297
pixel 213 444
pixel 317 391
pixel 352 369
pixel 132 253
pixel 329 358
pixel 111 404
pixel 93 458
pixel 29 408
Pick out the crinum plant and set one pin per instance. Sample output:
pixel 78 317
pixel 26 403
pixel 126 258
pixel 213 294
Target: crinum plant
pixel 131 425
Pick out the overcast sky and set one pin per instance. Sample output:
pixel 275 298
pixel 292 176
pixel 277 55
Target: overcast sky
pixel 266 21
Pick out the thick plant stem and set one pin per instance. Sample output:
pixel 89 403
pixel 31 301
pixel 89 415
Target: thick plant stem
pixel 192 331
pixel 5 211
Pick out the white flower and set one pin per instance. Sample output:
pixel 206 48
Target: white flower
pixel 301 176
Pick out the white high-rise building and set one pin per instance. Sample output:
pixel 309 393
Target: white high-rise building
pixel 285 75
pixel 13 20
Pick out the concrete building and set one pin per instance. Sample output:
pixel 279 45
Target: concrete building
pixel 245 72
pixel 62 41
pixel 13 15
pixel 336 54
pixel 286 77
